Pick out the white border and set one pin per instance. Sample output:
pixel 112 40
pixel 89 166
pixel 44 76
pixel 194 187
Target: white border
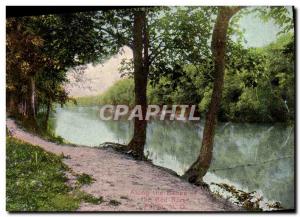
pixel 152 2
pixel 3 3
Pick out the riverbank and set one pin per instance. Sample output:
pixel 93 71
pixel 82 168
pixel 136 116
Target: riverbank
pixel 37 180
pixel 126 184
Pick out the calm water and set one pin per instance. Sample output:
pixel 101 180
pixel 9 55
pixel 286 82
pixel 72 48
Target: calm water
pixel 252 157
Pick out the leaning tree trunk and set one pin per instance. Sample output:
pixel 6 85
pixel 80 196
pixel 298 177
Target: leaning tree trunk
pixel 141 68
pixel 200 167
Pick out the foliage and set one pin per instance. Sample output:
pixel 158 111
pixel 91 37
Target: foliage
pixel 259 82
pixel 263 90
pixel 279 14
pixel 179 37
pixel 122 92
pixel 40 50
pixel 258 87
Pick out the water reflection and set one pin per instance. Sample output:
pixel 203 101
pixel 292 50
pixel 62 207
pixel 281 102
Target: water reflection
pixel 250 156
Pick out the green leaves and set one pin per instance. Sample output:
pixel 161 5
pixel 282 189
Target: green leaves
pixel 44 47
pixel 279 14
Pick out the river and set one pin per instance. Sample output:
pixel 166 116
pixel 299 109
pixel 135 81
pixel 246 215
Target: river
pixel 251 157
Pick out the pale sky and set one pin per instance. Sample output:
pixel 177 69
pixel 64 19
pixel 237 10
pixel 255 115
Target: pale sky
pixel 258 33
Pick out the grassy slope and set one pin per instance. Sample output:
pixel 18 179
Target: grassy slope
pixel 35 181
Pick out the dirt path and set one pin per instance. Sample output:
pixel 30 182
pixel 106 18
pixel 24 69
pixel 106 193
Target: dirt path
pixel 138 186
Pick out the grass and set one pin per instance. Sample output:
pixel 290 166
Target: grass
pixel 36 181
pixel 84 179
pixel 88 198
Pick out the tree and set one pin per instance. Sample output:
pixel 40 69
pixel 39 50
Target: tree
pixel 167 51
pixel 138 40
pixel 40 50
pixel 141 71
pixel 200 167
pixel 24 60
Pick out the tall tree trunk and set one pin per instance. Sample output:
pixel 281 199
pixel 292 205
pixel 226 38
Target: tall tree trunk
pixel 28 106
pixel 12 107
pixel 141 69
pixel 32 102
pixel 200 167
pixel 47 113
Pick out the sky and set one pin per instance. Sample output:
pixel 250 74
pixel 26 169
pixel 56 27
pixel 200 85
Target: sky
pixel 258 33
